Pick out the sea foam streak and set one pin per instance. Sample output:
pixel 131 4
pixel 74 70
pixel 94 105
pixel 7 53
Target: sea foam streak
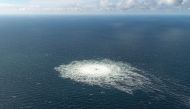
pixel 105 73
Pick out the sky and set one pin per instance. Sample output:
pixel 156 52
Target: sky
pixel 93 6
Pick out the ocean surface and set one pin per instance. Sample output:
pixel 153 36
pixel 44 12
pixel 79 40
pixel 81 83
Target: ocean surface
pixel 32 46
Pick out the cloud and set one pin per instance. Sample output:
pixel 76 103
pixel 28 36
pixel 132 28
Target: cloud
pixel 150 4
pixel 62 6
pixel 127 4
pixel 42 6
pixel 55 2
pixel 104 4
pixel 170 2
pixel 186 4
pixel 157 5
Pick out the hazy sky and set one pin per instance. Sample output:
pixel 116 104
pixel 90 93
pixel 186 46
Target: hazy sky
pixel 93 6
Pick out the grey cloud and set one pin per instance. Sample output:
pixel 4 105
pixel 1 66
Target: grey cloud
pixel 149 4
pixel 170 2
pixel 186 4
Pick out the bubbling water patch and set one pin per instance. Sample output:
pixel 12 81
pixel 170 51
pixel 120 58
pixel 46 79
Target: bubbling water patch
pixel 122 76
pixel 105 73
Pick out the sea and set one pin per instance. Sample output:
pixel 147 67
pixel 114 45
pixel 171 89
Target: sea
pixel 32 46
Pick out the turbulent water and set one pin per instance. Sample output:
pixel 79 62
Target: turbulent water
pixel 104 73
pixel 94 62
pixel 122 76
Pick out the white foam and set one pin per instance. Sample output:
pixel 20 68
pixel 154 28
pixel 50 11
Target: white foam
pixel 104 73
pixel 122 76
pixel 94 70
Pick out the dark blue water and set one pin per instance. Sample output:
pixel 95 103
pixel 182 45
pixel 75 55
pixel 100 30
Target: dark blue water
pixel 31 46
